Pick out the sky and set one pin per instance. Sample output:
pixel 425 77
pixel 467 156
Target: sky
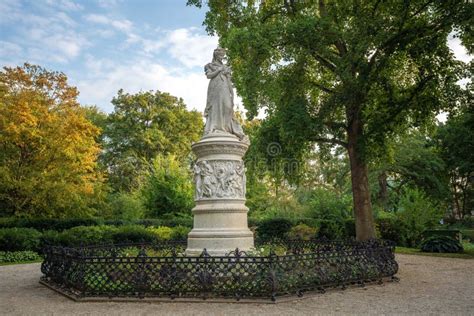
pixel 105 45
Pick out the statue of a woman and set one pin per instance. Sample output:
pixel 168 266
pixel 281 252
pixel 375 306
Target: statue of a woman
pixel 219 110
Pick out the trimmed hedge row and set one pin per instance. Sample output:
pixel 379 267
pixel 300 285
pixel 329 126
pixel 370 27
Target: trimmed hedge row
pixel 19 256
pixel 43 224
pixel 21 239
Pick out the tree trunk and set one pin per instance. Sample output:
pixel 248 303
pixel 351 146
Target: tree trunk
pixel 383 190
pixel 364 220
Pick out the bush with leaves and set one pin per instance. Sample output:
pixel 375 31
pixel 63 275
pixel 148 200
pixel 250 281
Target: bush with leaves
pixel 416 213
pixel 443 244
pixel 273 228
pixel 168 188
pixel 133 234
pixel 162 232
pixel 302 232
pixel 18 256
pixel 18 239
pixel 127 206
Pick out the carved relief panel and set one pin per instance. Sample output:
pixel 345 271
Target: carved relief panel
pixel 219 179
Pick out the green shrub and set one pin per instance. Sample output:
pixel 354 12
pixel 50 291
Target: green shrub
pixel 332 230
pixel 86 235
pixel 177 221
pixel 416 213
pixel 391 228
pixel 42 224
pixel 325 204
pixel 180 232
pixel 19 239
pixel 273 228
pixel 302 232
pixel 453 233
pixel 442 244
pixel 468 234
pixel 133 234
pixel 18 256
pixel 169 188
pixel 127 206
pixel 162 232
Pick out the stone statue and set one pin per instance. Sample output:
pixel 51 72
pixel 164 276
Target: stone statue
pixel 219 112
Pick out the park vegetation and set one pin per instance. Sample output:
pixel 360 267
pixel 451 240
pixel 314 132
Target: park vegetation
pixel 350 145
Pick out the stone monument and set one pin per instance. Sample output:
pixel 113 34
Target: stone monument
pixel 220 214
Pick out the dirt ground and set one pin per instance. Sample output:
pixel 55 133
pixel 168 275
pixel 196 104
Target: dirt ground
pixel 428 285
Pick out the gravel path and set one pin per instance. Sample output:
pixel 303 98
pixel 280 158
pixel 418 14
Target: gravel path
pixel 428 285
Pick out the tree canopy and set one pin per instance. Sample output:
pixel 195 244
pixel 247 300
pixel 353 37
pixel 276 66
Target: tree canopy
pixel 48 152
pixel 347 73
pixel 142 126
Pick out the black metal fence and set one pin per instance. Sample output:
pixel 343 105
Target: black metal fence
pixel 163 270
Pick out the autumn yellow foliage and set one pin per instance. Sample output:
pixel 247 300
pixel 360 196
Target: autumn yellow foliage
pixel 48 151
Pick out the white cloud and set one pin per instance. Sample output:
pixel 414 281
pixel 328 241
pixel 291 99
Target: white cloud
pixel 107 4
pixel 121 25
pixel 106 78
pixel 67 5
pixel 191 48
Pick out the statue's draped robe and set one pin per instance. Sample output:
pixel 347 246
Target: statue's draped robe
pixel 219 110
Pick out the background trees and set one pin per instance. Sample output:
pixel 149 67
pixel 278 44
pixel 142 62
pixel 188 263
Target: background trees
pixel 48 149
pixel 142 126
pixel 350 73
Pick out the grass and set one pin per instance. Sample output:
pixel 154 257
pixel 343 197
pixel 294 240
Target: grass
pixel 467 254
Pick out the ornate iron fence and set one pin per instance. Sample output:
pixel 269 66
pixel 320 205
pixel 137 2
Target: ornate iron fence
pixel 163 270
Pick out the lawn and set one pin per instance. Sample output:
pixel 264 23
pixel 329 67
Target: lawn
pixel 467 254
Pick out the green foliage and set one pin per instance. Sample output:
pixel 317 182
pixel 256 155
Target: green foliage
pixel 456 143
pixel 302 232
pixel 441 244
pixel 180 232
pixel 141 126
pixel 417 213
pixel 48 223
pixel 18 239
pixel 328 205
pixel 452 233
pixel 162 232
pixel 127 206
pixel 168 189
pixel 351 75
pixel 273 228
pixel 332 230
pixel 133 234
pixel 84 235
pixel 18 256
pixel 392 228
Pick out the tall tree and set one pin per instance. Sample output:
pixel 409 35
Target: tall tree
pixel 142 126
pixel 456 144
pixel 48 152
pixel 349 73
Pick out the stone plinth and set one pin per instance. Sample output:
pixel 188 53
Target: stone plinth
pixel 220 214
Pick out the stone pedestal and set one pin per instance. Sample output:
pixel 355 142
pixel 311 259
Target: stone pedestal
pixel 220 214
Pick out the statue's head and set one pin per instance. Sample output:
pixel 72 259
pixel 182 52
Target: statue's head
pixel 219 54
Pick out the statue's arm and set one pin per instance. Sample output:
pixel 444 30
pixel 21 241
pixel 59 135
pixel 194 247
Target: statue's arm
pixel 211 73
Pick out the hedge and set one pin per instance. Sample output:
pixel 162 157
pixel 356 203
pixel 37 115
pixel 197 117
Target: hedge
pixel 19 239
pixel 19 256
pixel 43 224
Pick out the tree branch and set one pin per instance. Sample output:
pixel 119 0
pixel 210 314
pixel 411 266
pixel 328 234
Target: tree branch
pixel 333 141
pixel 324 62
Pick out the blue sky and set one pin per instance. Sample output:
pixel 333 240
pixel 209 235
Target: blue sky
pixel 105 45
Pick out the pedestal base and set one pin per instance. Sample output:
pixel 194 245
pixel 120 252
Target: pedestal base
pixel 220 215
